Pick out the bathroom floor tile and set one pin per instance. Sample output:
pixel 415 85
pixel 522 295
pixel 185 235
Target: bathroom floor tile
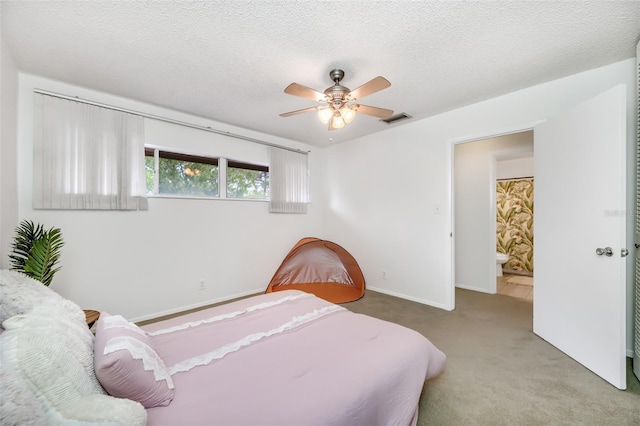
pixel 500 284
pixel 515 286
pixel 520 279
pixel 516 290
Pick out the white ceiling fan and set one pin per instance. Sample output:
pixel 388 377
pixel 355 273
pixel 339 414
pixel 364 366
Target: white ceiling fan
pixel 340 108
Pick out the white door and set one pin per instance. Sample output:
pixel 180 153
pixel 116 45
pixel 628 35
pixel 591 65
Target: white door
pixel 579 295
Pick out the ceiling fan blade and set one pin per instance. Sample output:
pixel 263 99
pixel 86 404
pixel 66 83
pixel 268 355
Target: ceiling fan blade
pixel 299 111
pixel 296 89
pixel 370 87
pixel 374 111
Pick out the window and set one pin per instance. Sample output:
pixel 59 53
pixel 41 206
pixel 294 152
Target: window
pixel 172 173
pixel 246 180
pixel 181 174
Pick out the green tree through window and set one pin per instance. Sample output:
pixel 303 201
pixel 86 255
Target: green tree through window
pixel 247 180
pixel 191 175
pixel 182 174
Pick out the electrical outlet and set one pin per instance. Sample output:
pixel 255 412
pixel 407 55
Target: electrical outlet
pixel 384 274
pixel 202 285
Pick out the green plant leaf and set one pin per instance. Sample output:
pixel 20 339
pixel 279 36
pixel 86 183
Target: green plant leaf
pixel 35 252
pixel 26 233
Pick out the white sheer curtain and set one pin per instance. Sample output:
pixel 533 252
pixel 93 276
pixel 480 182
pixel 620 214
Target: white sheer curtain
pixel 288 181
pixel 87 157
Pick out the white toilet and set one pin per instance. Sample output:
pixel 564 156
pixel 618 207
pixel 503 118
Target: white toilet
pixel 501 259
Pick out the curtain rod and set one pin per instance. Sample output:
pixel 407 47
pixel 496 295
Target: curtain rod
pixel 168 120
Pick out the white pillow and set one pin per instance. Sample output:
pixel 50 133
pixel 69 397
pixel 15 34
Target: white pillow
pixel 19 294
pixel 18 405
pixel 54 355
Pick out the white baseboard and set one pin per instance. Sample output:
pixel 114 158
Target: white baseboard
pixel 196 305
pixel 413 299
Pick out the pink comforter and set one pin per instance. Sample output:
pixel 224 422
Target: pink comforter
pixel 290 358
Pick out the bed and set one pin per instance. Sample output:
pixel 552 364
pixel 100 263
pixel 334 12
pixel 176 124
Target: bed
pixel 280 358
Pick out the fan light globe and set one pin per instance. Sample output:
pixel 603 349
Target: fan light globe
pixel 348 114
pixel 337 122
pixel 325 115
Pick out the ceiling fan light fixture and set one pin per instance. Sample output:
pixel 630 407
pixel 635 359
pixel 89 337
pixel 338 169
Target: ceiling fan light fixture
pixel 337 122
pixel 337 111
pixel 348 114
pixel 325 114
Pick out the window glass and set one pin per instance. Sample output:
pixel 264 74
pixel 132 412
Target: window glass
pixel 246 180
pixel 182 174
pixel 149 169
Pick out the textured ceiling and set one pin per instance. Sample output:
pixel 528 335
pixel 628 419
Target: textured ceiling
pixel 231 60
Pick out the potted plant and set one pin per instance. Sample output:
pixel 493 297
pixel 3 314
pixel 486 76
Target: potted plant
pixel 36 251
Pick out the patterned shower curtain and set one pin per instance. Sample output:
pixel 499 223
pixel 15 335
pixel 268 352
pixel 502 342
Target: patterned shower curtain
pixel 514 225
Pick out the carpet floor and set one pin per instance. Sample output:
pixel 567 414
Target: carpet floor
pixel 500 373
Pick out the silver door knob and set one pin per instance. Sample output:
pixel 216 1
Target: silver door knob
pixel 607 251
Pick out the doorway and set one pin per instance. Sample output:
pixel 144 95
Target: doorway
pixel 475 175
pixel 580 298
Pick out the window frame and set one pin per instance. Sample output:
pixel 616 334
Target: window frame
pixel 220 161
pixel 179 155
pixel 236 164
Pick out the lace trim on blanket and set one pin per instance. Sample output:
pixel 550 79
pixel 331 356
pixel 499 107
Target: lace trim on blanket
pixel 151 361
pixel 219 353
pixel 230 315
pixel 118 321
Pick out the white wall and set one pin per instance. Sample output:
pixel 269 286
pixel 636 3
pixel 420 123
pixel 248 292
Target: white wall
pixel 8 154
pixel 475 173
pixel 384 197
pixel 386 187
pixel 516 168
pixel 141 264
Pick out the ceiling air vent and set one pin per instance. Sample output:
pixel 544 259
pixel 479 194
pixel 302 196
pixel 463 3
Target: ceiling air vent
pixel 397 117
